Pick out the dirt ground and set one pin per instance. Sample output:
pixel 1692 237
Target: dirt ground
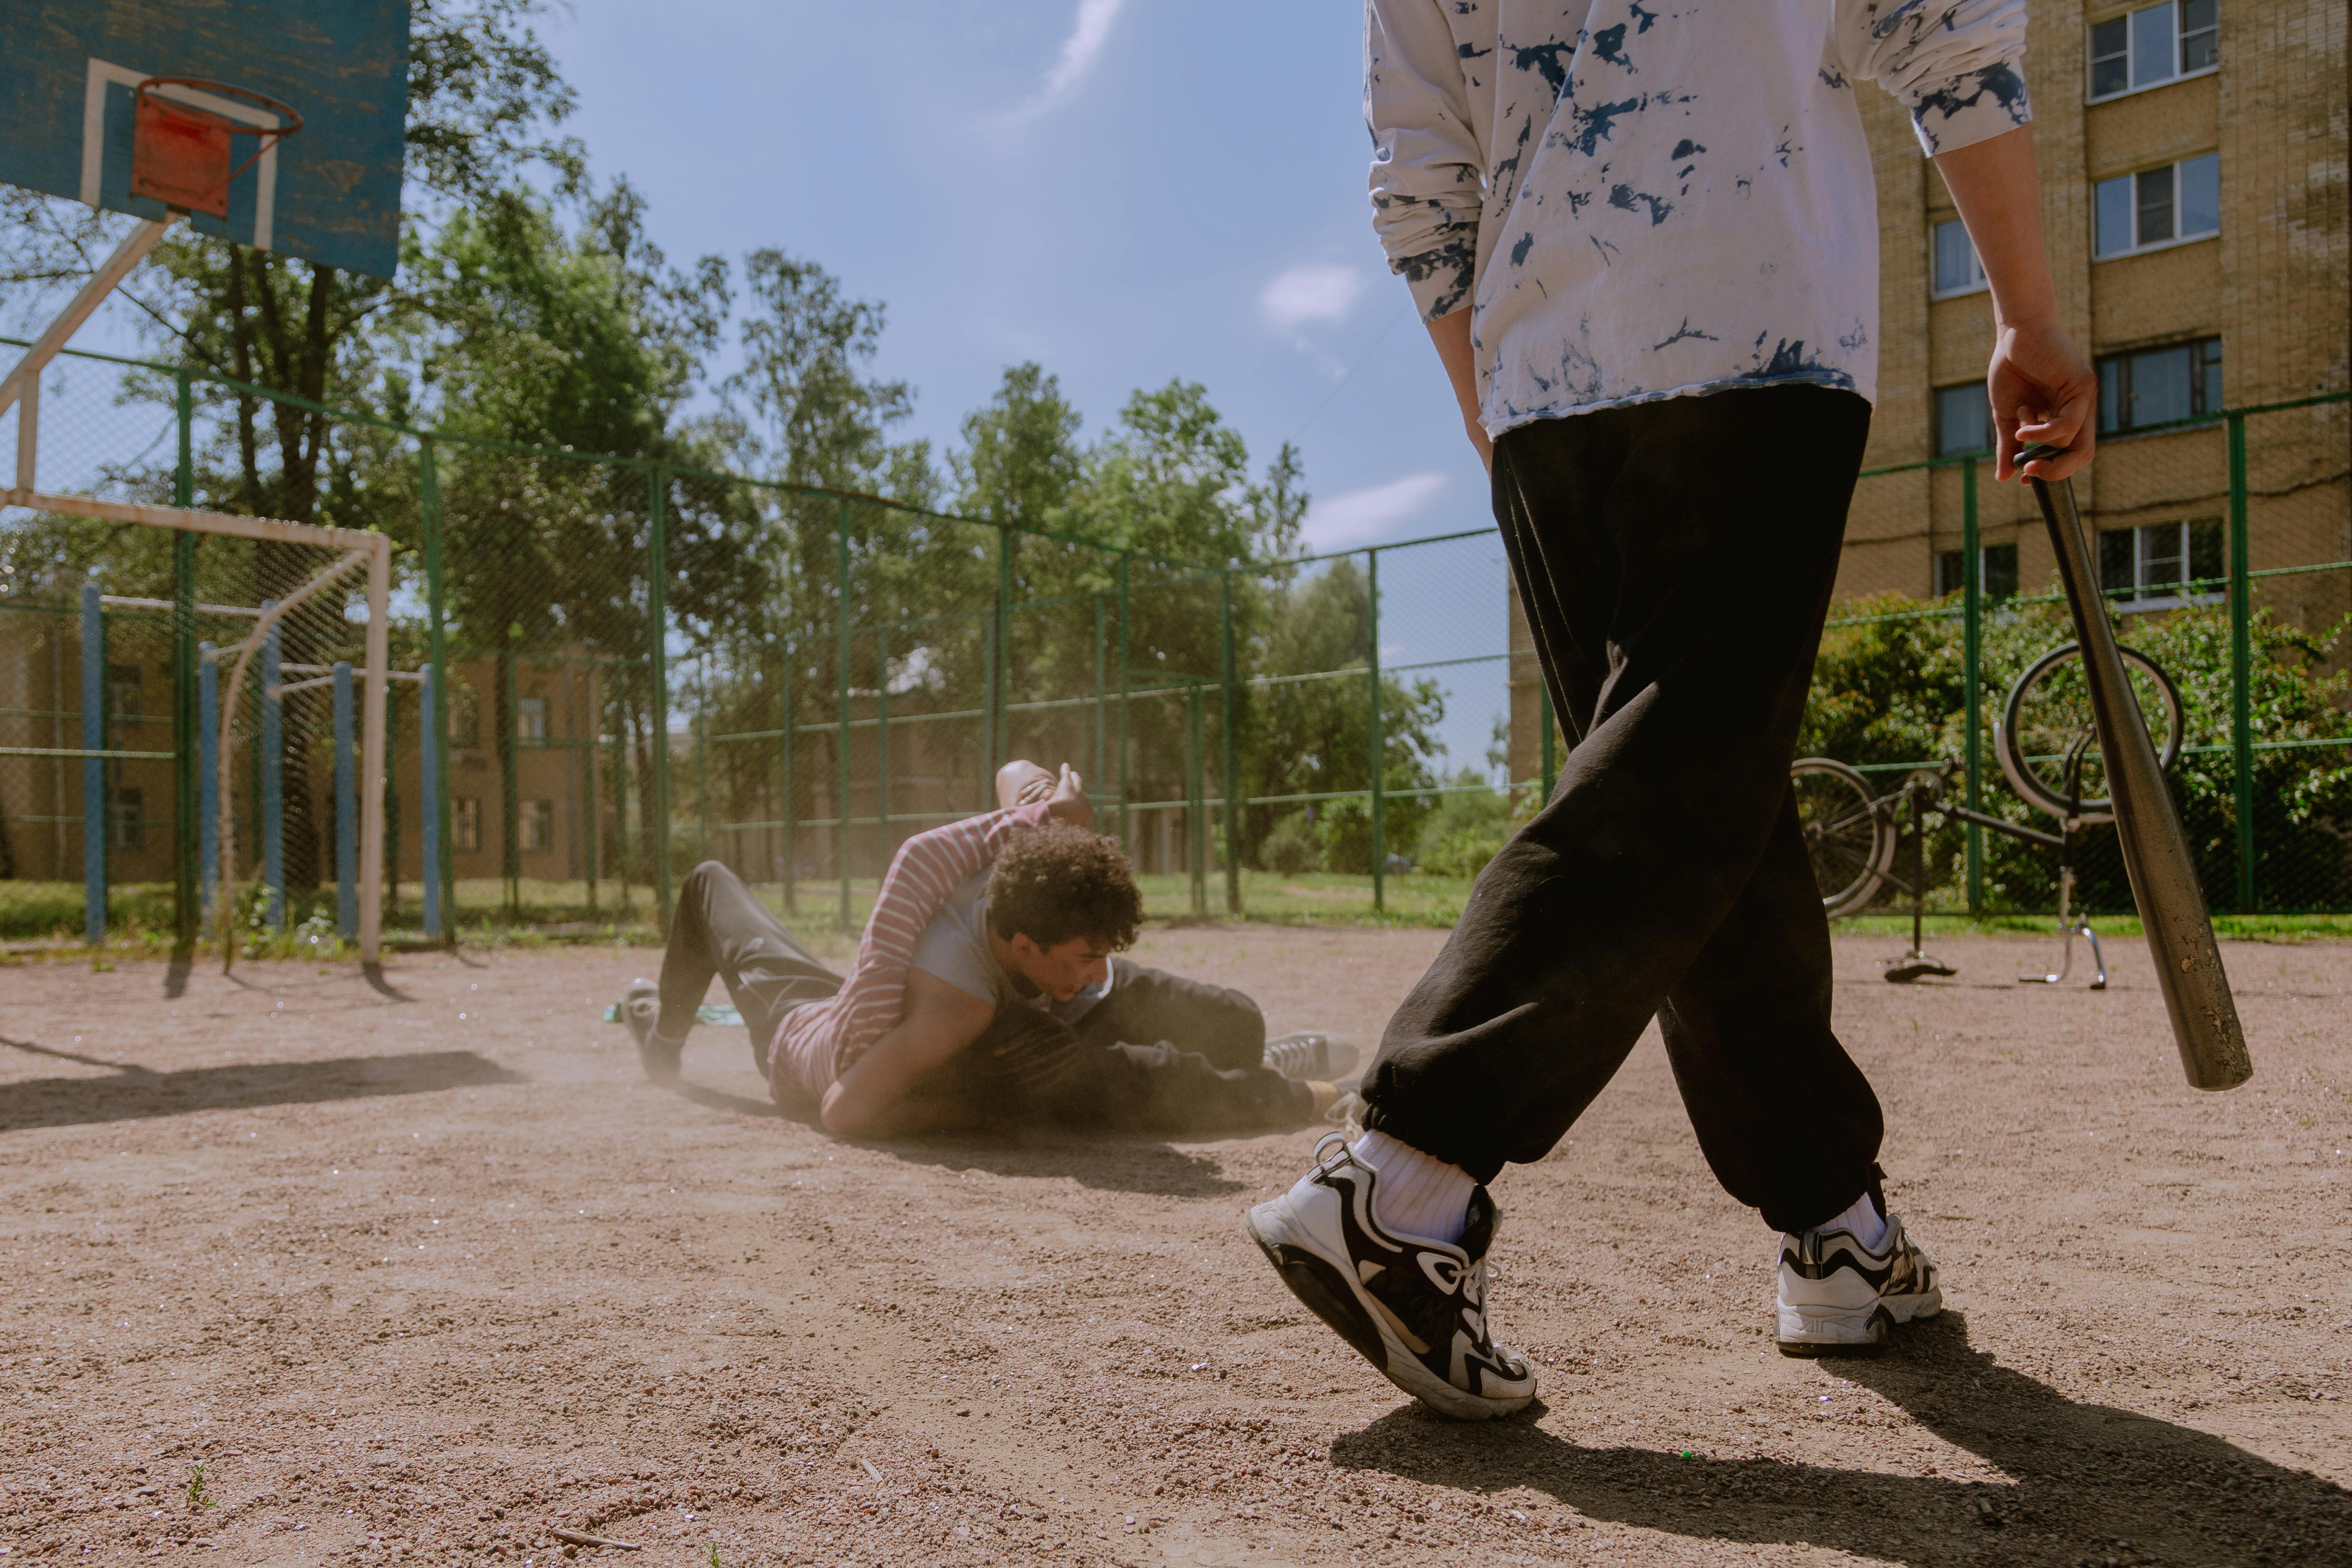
pixel 302 1268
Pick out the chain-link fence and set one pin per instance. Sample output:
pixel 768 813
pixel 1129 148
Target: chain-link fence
pixel 641 664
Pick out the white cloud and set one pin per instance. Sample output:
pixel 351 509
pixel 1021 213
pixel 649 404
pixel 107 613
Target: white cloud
pixel 1368 515
pixel 1314 291
pixel 1089 31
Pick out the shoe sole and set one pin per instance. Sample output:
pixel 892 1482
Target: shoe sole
pixel 1325 1290
pixel 1879 1330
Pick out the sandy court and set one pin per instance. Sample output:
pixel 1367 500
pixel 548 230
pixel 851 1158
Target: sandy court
pixel 425 1271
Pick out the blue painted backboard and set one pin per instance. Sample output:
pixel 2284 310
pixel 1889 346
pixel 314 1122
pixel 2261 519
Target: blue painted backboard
pixel 331 193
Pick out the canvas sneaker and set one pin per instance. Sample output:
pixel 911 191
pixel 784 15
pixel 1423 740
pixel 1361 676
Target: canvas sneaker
pixel 1841 1298
pixel 640 1009
pixel 1311 1053
pixel 1415 1309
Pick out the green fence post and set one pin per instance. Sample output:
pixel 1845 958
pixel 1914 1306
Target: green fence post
pixel 790 814
pixel 1102 717
pixel 1379 740
pixel 1126 663
pixel 584 757
pixel 509 791
pixel 1000 727
pixel 186 901
pixel 881 749
pixel 428 492
pixel 1196 800
pixel 1972 673
pixel 2241 666
pixel 702 766
pixel 1232 762
pixel 1550 763
pixel 841 703
pixel 657 810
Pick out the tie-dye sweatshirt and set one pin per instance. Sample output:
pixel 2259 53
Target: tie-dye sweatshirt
pixel 1645 201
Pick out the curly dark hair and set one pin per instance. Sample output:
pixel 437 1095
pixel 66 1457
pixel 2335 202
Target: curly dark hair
pixel 1059 882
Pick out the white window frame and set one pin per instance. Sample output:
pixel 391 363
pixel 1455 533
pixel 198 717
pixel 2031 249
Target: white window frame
pixel 2125 16
pixel 535 708
pixel 2141 599
pixel 534 826
pixel 1984 560
pixel 1975 265
pixel 2137 247
pixel 1936 422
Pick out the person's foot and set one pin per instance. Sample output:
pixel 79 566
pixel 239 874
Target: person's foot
pixel 1841 1298
pixel 1311 1053
pixel 640 1010
pixel 1415 1309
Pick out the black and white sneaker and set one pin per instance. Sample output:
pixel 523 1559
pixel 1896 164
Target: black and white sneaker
pixel 1841 1298
pixel 1309 1053
pixel 640 1010
pixel 1414 1309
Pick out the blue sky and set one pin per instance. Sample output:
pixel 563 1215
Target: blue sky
pixel 1125 191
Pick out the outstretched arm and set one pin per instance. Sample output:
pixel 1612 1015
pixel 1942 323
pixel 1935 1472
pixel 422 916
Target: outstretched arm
pixel 2042 389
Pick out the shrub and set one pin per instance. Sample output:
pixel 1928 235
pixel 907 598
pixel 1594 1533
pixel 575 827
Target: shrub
pixel 1291 848
pixel 1462 832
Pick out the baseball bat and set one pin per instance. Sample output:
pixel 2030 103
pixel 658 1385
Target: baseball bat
pixel 2164 885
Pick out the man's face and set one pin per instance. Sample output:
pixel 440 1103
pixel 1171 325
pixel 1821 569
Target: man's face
pixel 1065 969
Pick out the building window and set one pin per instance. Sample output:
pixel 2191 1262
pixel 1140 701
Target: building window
pixel 530 721
pixel 2155 386
pixel 122 705
pixel 1996 571
pixel 126 819
pixel 2149 568
pixel 535 825
pixel 465 715
pixel 1963 420
pixel 1958 270
pixel 2159 206
pixel 466 822
pixel 2153 45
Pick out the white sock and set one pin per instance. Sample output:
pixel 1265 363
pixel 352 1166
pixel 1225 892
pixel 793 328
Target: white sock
pixel 1861 1217
pixel 1417 1194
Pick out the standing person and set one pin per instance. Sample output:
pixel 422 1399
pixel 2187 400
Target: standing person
pixel 1645 241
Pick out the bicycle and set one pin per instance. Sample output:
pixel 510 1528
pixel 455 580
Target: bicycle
pixel 2047 747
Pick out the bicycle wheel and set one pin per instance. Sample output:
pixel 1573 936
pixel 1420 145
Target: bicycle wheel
pixel 2048 716
pixel 1849 840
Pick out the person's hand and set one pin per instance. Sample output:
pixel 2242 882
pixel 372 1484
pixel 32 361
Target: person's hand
pixel 1021 782
pixel 1069 803
pixel 2044 393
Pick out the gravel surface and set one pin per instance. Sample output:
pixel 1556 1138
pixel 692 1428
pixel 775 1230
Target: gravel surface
pixel 306 1269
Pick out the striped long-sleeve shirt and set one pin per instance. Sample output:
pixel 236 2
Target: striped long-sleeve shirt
pixel 816 1044
pixel 1638 201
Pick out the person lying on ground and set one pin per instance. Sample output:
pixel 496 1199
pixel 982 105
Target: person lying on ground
pixel 986 991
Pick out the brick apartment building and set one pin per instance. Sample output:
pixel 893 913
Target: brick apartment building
pixel 2193 160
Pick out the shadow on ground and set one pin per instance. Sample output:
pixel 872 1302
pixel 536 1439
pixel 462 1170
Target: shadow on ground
pixel 135 1093
pixel 2092 1483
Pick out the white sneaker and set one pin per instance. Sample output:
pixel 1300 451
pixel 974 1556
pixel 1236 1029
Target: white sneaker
pixel 640 1010
pixel 1311 1053
pixel 1414 1309
pixel 1841 1298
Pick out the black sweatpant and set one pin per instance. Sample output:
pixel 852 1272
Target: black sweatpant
pixel 1675 561
pixel 1160 1053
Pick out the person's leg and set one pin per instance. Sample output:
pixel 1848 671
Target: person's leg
pixel 1148 1006
pixel 1676 560
pixel 1031 1069
pixel 721 927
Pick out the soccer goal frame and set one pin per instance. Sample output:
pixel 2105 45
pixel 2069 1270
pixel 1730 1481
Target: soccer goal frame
pixel 370 552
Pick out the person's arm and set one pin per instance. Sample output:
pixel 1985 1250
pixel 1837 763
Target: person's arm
pixel 870 1100
pixel 1959 67
pixel 2041 387
pixel 1452 336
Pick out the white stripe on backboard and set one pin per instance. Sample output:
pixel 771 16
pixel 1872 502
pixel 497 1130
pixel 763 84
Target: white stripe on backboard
pixel 93 137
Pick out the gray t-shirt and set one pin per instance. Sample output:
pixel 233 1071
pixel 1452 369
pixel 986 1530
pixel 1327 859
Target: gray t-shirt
pixel 954 948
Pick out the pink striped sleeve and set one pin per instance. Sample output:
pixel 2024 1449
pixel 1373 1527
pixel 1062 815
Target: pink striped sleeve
pixel 818 1043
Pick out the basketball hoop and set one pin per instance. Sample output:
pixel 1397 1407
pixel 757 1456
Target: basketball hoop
pixel 180 153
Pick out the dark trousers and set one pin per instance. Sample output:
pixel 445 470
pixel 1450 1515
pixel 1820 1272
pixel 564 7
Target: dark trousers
pixel 1675 561
pixel 1160 1053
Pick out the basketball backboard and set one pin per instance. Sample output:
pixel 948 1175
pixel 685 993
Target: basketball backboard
pixel 70 71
